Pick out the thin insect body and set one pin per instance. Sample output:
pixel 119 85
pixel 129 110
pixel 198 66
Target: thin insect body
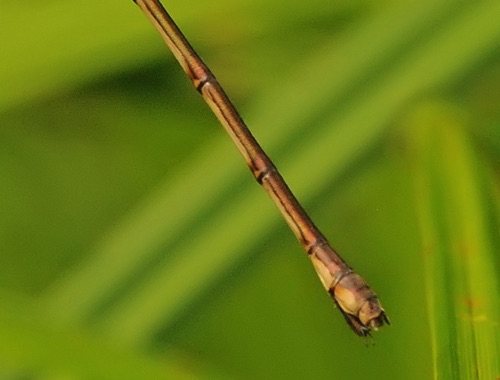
pixel 355 299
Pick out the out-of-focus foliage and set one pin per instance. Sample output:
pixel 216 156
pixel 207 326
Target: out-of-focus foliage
pixel 135 244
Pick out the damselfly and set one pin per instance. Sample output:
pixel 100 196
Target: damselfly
pixel 357 302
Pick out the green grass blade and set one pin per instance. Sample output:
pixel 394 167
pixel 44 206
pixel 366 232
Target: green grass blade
pixel 462 283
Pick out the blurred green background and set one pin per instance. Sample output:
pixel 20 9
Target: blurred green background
pixel 134 243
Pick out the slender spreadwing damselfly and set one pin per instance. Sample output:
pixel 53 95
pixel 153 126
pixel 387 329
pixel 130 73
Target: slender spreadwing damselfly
pixel 354 298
